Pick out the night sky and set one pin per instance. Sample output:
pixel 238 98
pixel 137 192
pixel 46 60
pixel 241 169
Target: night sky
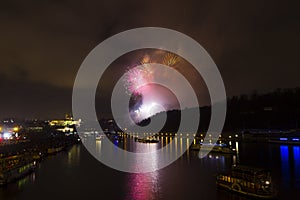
pixel 255 44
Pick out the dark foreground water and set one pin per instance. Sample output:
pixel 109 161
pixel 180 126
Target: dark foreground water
pixel 75 174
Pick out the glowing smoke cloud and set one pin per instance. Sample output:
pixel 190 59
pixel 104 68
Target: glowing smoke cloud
pixel 155 99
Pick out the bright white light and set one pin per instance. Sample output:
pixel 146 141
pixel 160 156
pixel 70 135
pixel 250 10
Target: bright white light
pixel 147 110
pixel 6 135
pixel 267 182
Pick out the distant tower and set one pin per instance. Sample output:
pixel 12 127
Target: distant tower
pixel 68 116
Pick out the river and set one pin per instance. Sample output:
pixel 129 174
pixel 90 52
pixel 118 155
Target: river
pixel 75 174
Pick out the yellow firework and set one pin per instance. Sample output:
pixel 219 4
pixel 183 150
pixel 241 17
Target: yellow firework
pixel 146 59
pixel 170 59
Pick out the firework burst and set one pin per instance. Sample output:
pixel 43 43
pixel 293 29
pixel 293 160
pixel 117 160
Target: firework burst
pixel 170 59
pixel 146 98
pixel 145 60
pixel 137 77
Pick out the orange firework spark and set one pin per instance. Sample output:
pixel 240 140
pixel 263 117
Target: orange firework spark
pixel 145 60
pixel 170 59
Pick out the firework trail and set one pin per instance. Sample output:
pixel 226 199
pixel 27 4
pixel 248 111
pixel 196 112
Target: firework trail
pixel 170 59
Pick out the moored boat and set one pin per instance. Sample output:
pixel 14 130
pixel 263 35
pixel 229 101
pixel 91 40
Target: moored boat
pixel 212 148
pixel 249 181
pixel 146 140
pixel 15 167
pixel 285 140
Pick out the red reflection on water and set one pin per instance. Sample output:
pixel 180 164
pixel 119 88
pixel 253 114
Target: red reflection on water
pixel 144 185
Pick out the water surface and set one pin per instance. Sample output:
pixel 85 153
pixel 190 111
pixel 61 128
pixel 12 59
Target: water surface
pixel 75 174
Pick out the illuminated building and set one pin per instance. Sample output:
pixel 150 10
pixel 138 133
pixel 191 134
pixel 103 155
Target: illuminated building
pixel 9 131
pixel 66 125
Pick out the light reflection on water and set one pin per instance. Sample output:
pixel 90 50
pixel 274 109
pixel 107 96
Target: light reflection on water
pixel 296 151
pixel 148 185
pixel 285 168
pixel 290 165
pixel 188 177
pixel 74 155
pixel 144 186
pixel 25 180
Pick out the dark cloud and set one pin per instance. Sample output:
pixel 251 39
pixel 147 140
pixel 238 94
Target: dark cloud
pixel 254 43
pixel 29 100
